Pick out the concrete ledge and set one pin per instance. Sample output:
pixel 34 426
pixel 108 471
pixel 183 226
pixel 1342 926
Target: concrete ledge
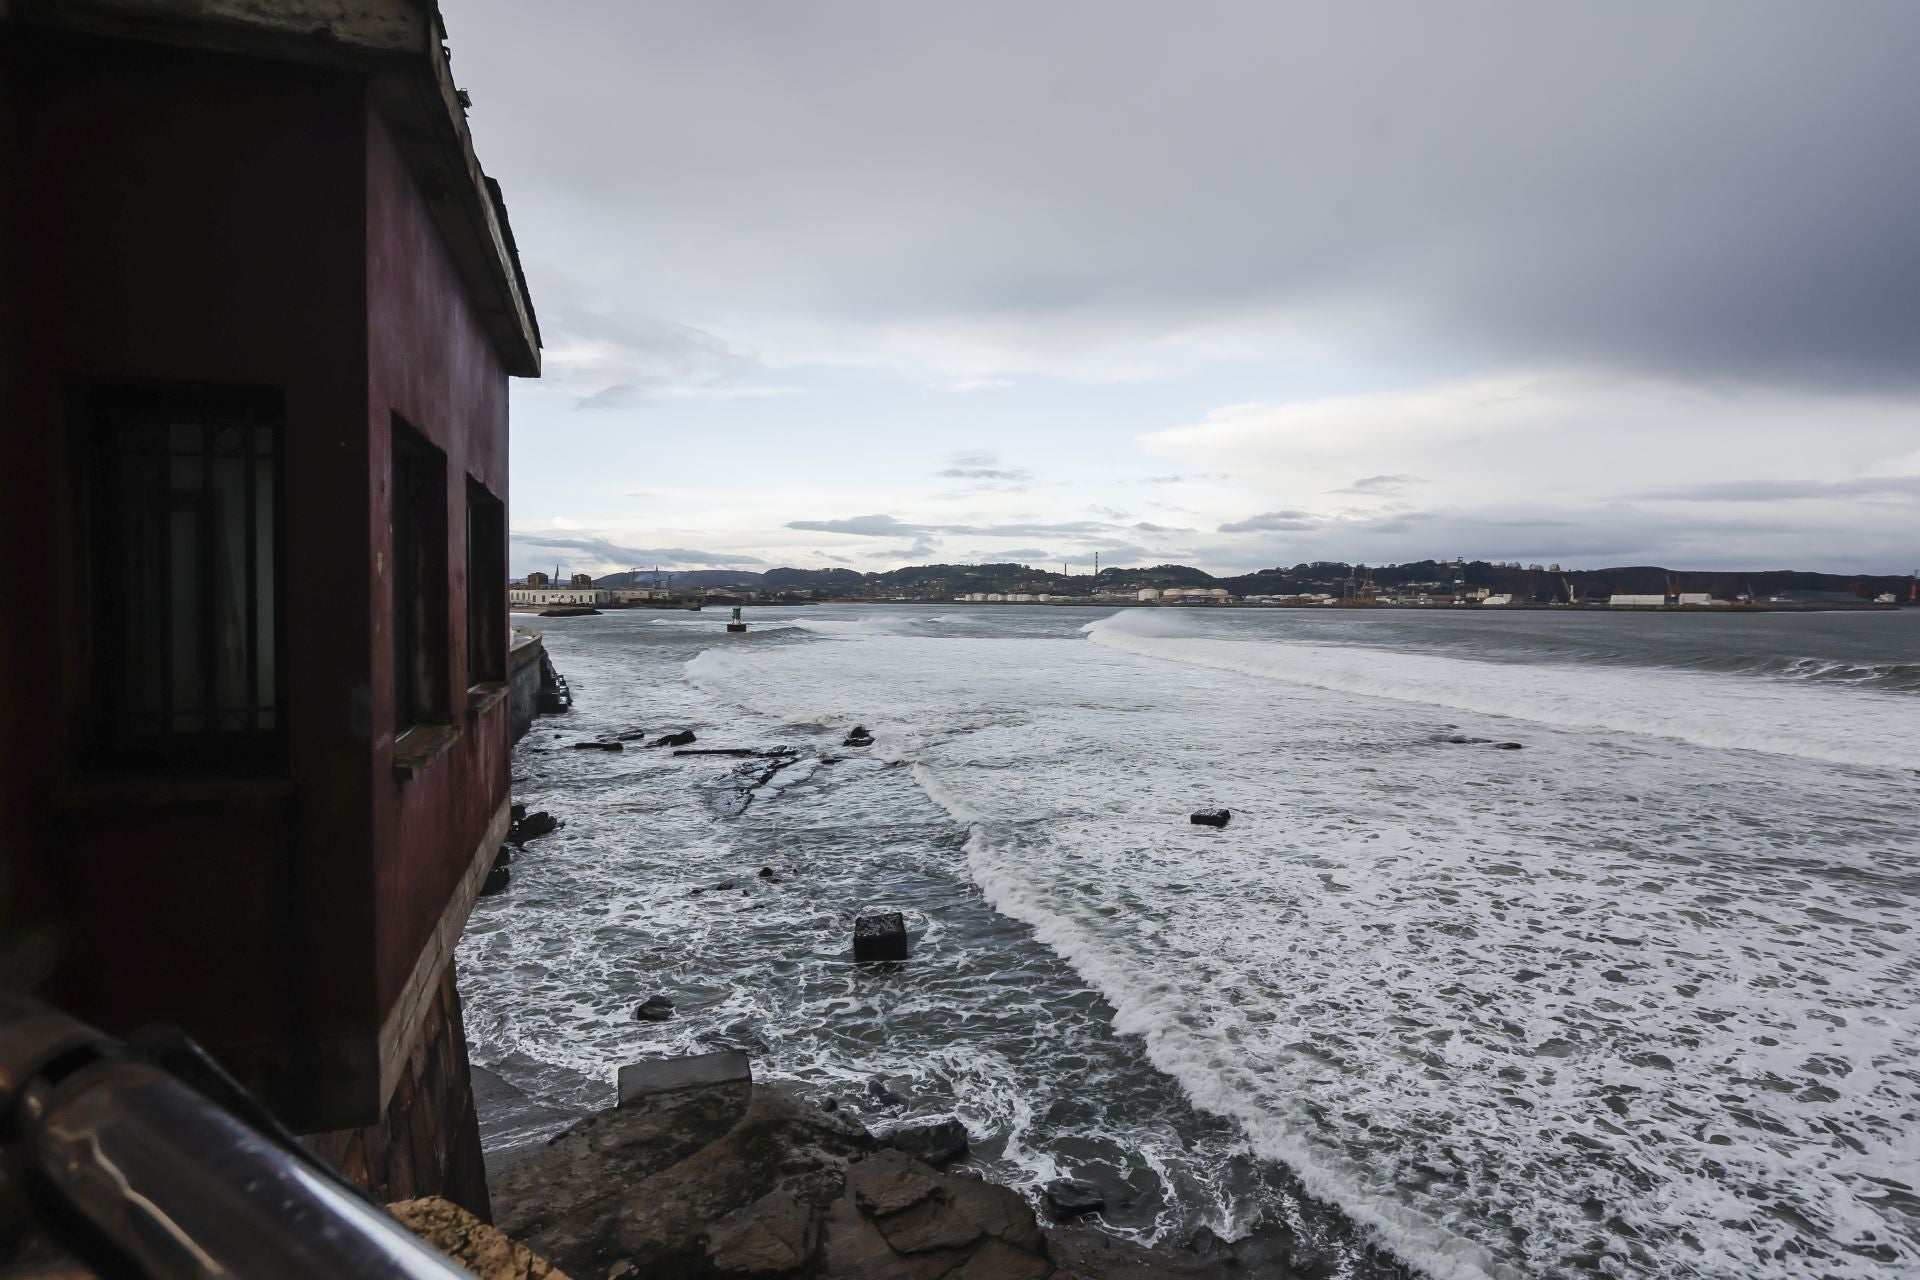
pixel 670 1075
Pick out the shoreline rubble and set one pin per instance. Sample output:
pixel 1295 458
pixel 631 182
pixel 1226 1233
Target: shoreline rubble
pixel 701 1174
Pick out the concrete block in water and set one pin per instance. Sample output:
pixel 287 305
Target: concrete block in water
pixel 881 937
pixel 1211 817
pixel 670 1075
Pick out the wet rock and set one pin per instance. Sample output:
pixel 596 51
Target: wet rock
pixel 600 746
pixel 934 1144
pixel 498 876
pixel 858 737
pixel 1507 746
pixel 532 827
pixel 882 1185
pixel 1461 739
pixel 883 1096
pixel 1070 1197
pixel 880 937
pixel 654 1009
pixel 634 735
pixel 776 1235
pixel 680 739
pixel 739 752
pixel 642 1191
pixel 766 873
pixel 1211 817
pixel 517 812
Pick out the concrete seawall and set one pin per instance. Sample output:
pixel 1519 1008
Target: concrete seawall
pixel 524 667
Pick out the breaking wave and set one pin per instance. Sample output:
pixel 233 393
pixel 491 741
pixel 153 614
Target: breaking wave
pixel 1858 727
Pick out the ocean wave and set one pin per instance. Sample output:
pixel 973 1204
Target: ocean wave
pixel 1704 708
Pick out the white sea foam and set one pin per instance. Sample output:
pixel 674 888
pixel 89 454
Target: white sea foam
pixel 1627 1002
pixel 1702 708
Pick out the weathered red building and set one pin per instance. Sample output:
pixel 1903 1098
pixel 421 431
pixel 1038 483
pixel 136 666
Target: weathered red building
pixel 258 309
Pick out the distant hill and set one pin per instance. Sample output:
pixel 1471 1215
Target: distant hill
pixel 944 581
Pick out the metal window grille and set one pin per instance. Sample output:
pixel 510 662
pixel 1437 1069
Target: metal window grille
pixel 185 565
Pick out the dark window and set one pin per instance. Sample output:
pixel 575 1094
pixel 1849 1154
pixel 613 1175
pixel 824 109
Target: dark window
pixel 182 490
pixel 419 516
pixel 486 585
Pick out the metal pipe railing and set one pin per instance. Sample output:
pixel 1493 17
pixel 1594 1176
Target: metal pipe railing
pixel 132 1169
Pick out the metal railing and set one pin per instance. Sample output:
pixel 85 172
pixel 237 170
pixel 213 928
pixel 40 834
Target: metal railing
pixel 144 1159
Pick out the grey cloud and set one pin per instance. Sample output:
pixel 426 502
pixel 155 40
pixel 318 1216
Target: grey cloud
pixel 601 550
pixel 980 464
pixel 883 526
pixel 620 395
pixel 1143 526
pixel 1788 490
pixel 983 473
pixel 1380 485
pixel 1268 521
pixel 875 526
pixel 1465 185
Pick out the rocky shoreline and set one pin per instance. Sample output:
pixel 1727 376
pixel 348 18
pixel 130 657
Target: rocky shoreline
pixel 736 1179
pixel 740 1179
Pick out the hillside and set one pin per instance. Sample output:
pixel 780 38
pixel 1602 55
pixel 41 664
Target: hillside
pixel 944 581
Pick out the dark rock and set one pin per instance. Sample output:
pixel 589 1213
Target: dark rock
pixel 641 1190
pixel 1460 739
pixel 634 735
pixel 517 812
pixel 766 873
pixel 1211 817
pixel 881 937
pixel 654 1009
pixel 884 1184
pixel 1070 1198
pixel 857 737
pixel 719 751
pixel 883 1096
pixel 533 826
pixel 776 1235
pixel 1506 746
pixel 935 1144
pixel 497 878
pixel 679 739
pixel 600 746
pixel 722 886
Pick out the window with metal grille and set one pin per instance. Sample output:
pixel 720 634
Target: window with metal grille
pixel 183 499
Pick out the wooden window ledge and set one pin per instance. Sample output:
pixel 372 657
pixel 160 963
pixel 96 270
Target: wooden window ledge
pixel 420 746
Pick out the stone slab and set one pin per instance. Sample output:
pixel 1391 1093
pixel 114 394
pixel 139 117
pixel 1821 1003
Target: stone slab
pixel 669 1075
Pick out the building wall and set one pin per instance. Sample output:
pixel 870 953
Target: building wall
pixel 203 243
pixel 428 1140
pixel 430 362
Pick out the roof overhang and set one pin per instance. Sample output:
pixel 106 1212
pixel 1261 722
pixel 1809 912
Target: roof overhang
pixel 398 45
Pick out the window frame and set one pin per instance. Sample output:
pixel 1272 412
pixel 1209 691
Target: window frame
pixel 487 601
pixel 429 629
pixel 100 411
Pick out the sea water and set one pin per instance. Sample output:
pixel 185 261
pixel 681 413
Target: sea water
pixel 1638 998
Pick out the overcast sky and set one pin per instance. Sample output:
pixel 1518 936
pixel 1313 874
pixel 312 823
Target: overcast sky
pixel 1232 285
